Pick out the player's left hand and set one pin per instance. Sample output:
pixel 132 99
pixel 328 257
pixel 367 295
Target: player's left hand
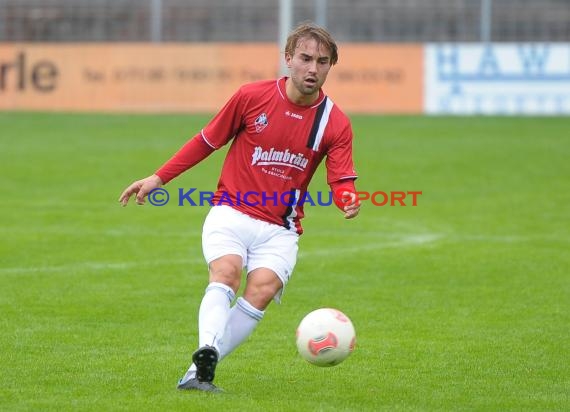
pixel 352 205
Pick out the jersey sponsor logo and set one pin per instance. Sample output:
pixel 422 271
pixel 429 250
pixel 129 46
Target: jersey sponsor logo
pixel 278 158
pixel 261 122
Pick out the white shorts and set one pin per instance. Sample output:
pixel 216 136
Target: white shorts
pixel 260 244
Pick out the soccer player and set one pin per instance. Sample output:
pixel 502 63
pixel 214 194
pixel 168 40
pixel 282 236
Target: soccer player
pixel 280 131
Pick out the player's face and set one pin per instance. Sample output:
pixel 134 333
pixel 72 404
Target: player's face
pixel 308 67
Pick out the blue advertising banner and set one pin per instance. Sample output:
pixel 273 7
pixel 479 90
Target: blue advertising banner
pixel 501 79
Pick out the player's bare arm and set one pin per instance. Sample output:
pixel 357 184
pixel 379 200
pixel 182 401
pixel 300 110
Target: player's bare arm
pixel 140 188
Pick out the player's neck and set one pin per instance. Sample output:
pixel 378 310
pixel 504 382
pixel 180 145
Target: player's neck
pixel 296 97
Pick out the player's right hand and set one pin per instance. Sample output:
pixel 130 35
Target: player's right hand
pixel 140 188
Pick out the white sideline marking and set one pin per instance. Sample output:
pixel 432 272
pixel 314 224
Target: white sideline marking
pixel 96 266
pixel 390 242
pixel 404 241
pixel 110 232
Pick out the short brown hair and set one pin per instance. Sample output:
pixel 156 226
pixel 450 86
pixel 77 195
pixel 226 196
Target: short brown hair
pixel 320 34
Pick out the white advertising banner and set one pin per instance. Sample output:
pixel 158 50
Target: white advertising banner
pixel 497 79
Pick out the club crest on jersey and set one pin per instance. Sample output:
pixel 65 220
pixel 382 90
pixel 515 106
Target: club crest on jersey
pixel 261 122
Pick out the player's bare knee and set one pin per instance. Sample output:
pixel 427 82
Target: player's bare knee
pixel 262 286
pixel 259 298
pixel 227 270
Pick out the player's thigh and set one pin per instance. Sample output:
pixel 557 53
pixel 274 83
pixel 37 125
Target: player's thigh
pixel 277 253
pixel 225 232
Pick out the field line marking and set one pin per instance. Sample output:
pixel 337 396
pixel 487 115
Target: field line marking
pixel 405 241
pixel 394 242
pixel 96 266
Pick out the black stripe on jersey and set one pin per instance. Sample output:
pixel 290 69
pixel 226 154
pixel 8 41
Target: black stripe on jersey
pixel 292 203
pixel 316 123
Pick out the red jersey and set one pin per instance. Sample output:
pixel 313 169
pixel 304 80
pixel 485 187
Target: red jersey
pixel 276 149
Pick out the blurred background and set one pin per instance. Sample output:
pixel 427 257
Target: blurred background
pixel 406 56
pixel 258 21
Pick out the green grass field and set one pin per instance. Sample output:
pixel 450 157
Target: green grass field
pixel 459 303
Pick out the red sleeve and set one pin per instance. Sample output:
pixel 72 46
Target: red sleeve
pixel 225 125
pixel 221 129
pixel 193 152
pixel 339 157
pixel 338 188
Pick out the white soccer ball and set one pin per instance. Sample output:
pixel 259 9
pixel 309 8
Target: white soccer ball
pixel 325 337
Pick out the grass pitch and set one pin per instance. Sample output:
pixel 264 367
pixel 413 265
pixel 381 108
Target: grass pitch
pixel 459 303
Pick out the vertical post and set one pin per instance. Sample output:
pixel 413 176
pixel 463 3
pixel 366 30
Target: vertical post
pixel 486 18
pixel 321 12
pixel 285 25
pixel 156 21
